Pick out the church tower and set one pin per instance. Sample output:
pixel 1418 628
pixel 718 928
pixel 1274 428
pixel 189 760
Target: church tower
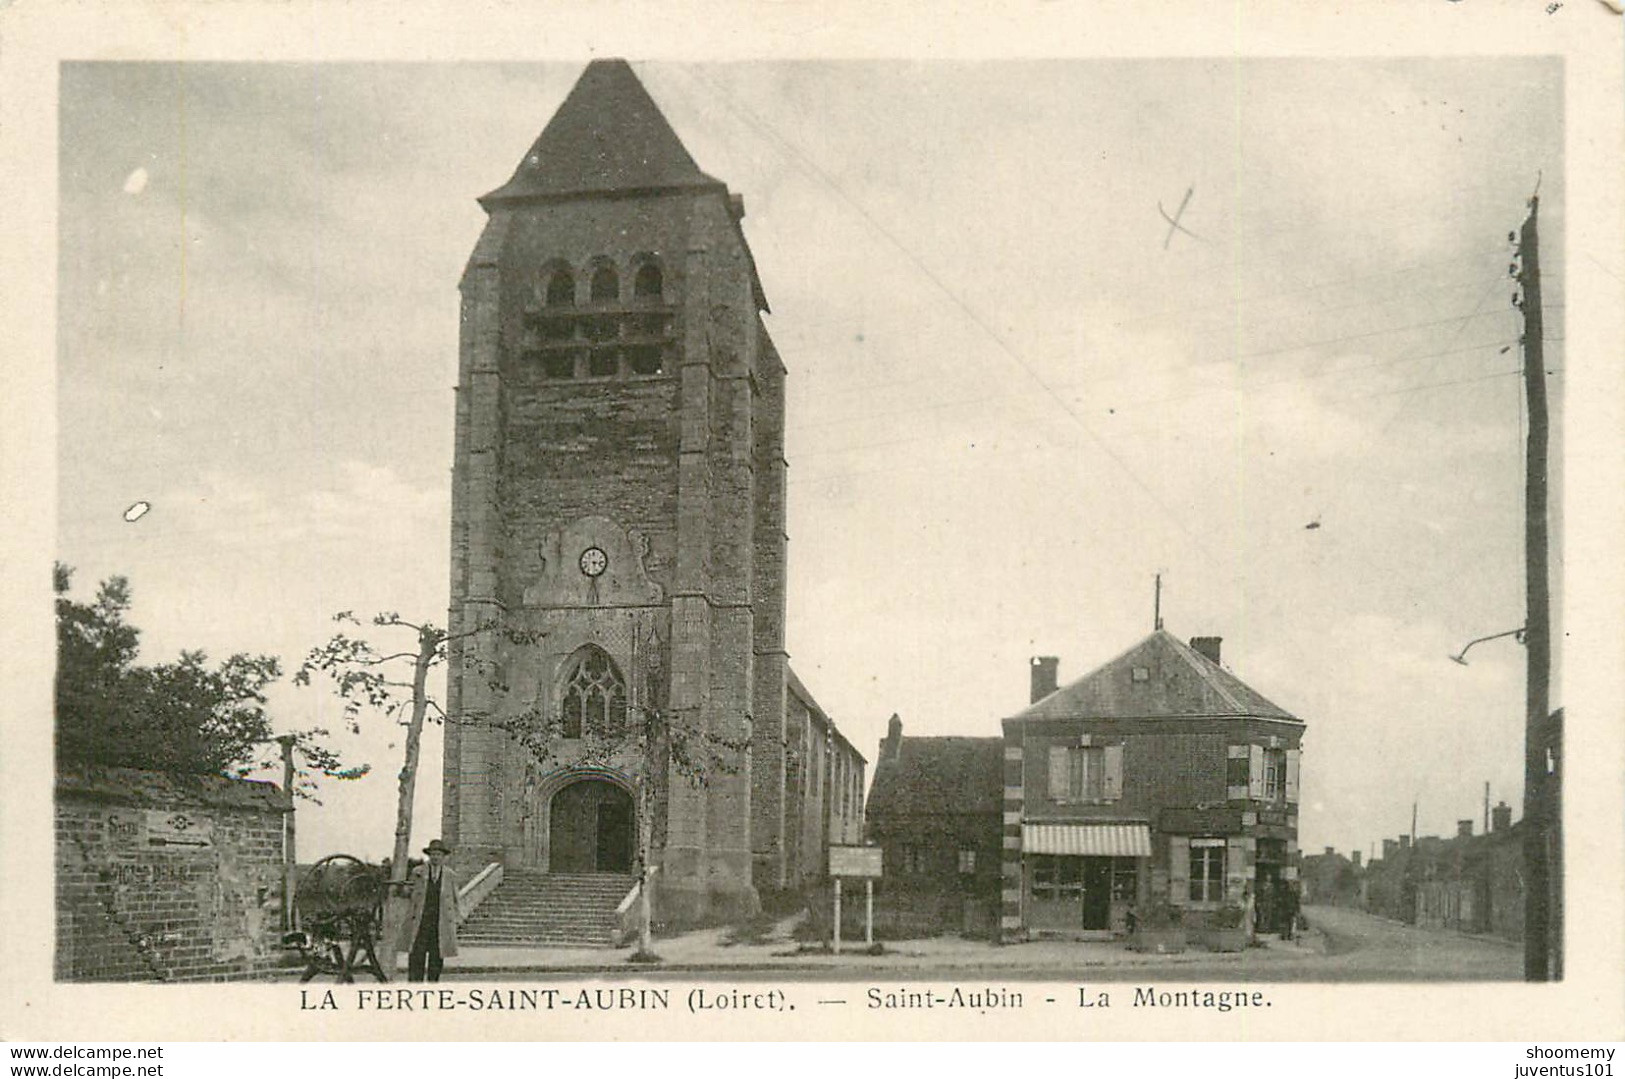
pixel 618 496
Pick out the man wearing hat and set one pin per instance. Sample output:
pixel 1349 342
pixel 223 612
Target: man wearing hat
pixel 429 933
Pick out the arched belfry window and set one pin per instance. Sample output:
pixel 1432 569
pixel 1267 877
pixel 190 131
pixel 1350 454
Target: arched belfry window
pixel 648 284
pixel 606 287
pixel 561 289
pixel 594 698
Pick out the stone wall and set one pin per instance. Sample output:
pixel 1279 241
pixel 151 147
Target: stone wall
pixel 166 877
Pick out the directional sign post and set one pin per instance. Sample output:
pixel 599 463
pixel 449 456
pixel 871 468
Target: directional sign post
pixel 862 862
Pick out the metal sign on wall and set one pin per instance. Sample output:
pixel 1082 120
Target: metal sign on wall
pixel 180 829
pixel 854 861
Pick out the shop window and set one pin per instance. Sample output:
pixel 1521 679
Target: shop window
pixel 1057 876
pixel 1125 880
pixel 1207 870
pixel 606 287
pixel 647 285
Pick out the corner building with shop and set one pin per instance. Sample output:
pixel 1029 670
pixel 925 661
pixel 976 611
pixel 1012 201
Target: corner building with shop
pixel 1157 778
pixel 619 500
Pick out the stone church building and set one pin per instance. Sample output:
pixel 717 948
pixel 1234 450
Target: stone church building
pixel 619 499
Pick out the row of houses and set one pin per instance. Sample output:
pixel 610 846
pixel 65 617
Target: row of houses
pixel 1469 883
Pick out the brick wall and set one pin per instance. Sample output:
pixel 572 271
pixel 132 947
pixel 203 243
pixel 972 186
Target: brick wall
pixel 1167 762
pixel 137 901
pixel 927 889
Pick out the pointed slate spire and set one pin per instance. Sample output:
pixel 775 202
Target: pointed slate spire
pixel 608 136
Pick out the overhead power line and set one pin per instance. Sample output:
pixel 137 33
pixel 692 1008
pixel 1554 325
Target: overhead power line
pixel 970 313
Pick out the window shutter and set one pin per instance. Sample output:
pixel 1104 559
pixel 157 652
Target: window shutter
pixel 1292 775
pixel 1179 870
pixel 1059 758
pixel 1114 772
pixel 1255 772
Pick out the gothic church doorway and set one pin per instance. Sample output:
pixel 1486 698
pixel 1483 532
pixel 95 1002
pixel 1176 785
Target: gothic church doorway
pixel 590 829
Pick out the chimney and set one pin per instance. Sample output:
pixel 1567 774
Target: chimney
pixel 1501 817
pixel 1330 852
pixel 1404 842
pixel 1390 847
pixel 1045 669
pixel 1354 856
pixel 891 746
pixel 1207 646
pixel 1464 828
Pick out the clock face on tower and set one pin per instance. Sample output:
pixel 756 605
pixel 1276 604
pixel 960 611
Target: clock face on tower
pixel 594 561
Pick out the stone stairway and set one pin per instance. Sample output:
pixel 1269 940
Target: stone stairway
pixel 531 908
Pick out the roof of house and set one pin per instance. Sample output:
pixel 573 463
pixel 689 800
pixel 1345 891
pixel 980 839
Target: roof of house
pixel 607 136
pixel 931 776
pixel 1179 681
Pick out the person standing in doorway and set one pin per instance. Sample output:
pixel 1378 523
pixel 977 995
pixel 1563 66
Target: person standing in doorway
pixel 429 934
pixel 1289 908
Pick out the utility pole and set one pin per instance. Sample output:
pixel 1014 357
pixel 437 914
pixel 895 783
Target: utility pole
pixel 1543 921
pixel 289 862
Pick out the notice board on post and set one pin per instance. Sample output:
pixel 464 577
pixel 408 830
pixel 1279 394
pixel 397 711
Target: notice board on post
pixel 854 862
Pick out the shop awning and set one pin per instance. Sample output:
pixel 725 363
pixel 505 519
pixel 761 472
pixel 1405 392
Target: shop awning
pixel 1109 839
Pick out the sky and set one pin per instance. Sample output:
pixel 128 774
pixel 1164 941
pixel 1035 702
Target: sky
pixel 1014 396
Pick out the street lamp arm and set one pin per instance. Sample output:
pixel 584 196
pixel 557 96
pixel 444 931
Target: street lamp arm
pixel 1461 657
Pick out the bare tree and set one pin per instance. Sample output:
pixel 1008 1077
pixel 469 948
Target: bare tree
pixel 395 684
pixel 370 679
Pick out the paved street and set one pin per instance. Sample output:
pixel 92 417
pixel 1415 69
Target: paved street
pixel 1363 947
pixel 1343 945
